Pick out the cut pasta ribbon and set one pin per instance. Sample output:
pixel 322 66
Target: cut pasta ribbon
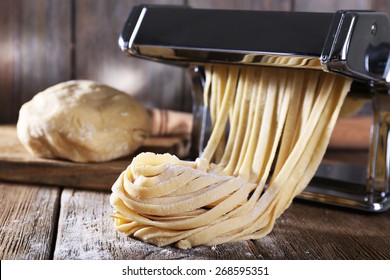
pixel 275 118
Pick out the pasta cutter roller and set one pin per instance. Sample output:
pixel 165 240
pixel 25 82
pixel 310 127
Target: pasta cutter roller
pixel 350 43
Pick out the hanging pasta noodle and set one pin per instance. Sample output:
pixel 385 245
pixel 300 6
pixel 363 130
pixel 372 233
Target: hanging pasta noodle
pixel 163 200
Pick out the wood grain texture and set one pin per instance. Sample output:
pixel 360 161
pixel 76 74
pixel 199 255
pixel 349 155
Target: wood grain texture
pixel 331 5
pixel 381 6
pixel 305 231
pixel 99 58
pixel 35 50
pixel 36 46
pixel 27 221
pixel 86 231
pixel 351 133
pixel 8 60
pixel 17 165
pixel 311 231
pixel 280 5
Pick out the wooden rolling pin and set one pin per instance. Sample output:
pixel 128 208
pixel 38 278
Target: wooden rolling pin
pixel 170 123
pixel 349 133
pixel 352 133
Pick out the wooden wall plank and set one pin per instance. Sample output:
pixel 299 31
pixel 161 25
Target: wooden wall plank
pixel 331 5
pixel 27 221
pixel 37 50
pixel 36 47
pixel 98 57
pixel 9 26
pixel 279 5
pixel 45 45
pixel 381 6
pixel 9 54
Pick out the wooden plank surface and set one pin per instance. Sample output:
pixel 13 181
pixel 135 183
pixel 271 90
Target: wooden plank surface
pixel 34 50
pixel 17 165
pixel 87 232
pixel 28 220
pixel 381 6
pixel 99 58
pixel 315 231
pixel 305 231
pixel 331 5
pixel 280 5
pixel 38 39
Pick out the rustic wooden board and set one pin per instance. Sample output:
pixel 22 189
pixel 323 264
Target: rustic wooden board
pixel 86 231
pixel 17 165
pixel 28 219
pixel 315 231
pixel 305 231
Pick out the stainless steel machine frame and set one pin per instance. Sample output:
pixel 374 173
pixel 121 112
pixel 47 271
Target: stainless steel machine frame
pixel 350 43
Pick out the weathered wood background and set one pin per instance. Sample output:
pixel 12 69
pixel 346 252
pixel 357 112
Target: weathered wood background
pixel 43 42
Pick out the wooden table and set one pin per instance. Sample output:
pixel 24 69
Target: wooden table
pixel 52 214
pixel 50 222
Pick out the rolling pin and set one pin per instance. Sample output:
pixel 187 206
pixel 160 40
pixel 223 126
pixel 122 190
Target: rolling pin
pixel 353 133
pixel 169 123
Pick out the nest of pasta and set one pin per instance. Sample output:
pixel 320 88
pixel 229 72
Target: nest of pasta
pixel 279 124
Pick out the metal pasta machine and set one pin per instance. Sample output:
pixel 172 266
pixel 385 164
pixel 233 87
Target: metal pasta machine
pixel 351 43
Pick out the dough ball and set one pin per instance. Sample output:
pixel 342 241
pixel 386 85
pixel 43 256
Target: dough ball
pixel 82 121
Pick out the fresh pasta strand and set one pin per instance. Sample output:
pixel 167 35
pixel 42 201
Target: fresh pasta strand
pixel 275 118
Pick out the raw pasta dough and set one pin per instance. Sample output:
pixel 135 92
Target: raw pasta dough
pixel 229 193
pixel 82 121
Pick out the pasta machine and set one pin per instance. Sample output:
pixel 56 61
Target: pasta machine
pixel 350 43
